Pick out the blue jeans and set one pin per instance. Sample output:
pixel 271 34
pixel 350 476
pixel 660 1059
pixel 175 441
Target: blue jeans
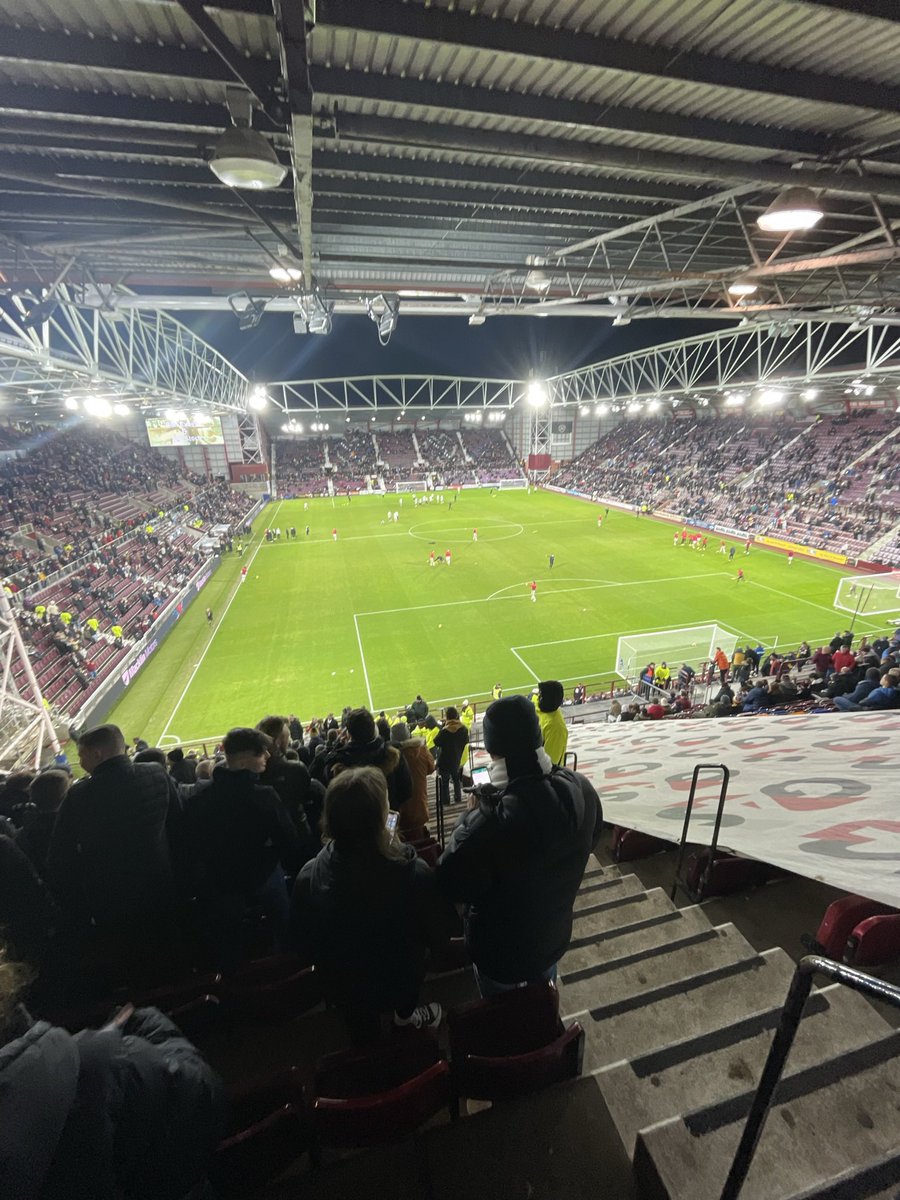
pixel 492 987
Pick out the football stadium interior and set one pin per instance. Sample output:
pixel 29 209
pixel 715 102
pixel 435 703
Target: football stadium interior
pixel 570 863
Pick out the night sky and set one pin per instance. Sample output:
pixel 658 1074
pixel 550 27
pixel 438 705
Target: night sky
pixel 502 348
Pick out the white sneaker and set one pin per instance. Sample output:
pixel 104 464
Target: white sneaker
pixel 426 1016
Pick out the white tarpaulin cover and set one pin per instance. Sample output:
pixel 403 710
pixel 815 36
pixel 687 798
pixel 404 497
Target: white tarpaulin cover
pixel 818 795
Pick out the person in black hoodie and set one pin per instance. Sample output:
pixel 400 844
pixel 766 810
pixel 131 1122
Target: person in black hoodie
pixel 517 857
pixel 241 837
pixel 449 745
pixel 127 1112
pixel 366 909
pixel 47 792
pixel 182 770
pixel 366 749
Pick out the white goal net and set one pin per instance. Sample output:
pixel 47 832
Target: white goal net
pixel 869 595
pixel 692 644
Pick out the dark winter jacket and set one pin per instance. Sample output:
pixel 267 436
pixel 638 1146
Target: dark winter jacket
pixel 366 921
pixel 28 915
pixel 387 759
pixel 449 744
pixel 302 797
pixel 110 860
pixel 111 1114
pixel 516 862
pixel 238 831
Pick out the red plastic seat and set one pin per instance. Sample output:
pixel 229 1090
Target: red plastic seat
pixel 512 1044
pixel 273 989
pixel 253 1156
pixel 875 941
pixel 840 920
pixel 630 844
pixel 366 1098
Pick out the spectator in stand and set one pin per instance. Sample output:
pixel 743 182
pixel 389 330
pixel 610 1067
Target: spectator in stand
pixel 130 1110
pixel 182 770
pixel 112 859
pixel 302 797
pixel 241 837
pixel 885 696
pixel 418 710
pixel 46 794
pixel 14 797
pixel 578 693
pixel 722 664
pixel 412 823
pixel 863 689
pixel 517 857
pixel 28 914
pixel 366 749
pixel 843 657
pixel 822 662
pixel 366 909
pixel 449 745
pixel 548 701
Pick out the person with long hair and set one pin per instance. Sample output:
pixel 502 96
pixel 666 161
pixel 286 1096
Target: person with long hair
pixel 366 910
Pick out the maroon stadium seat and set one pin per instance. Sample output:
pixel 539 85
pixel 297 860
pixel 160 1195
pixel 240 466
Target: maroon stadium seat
pixel 273 989
pixel 840 920
pixel 630 844
pixel 875 941
pixel 512 1044
pixel 365 1098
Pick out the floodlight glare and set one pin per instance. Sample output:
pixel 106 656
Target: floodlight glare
pixel 258 398
pixel 536 394
pixel 96 406
pixel 121 410
pixel 286 274
pixel 743 286
pixel 71 403
pixel 792 210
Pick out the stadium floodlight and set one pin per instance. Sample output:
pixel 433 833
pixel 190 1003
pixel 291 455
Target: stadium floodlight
pixel 771 396
pixel 743 286
pixel 537 394
pixel 537 279
pixel 794 209
pixel 314 314
pixel 653 406
pixel 242 158
pixel 634 407
pixel 121 410
pixel 384 310
pixel 97 406
pixel 71 403
pixel 258 398
pixel 810 394
pixel 282 274
pixel 621 319
pixel 601 410
pixel 735 400
pixel 477 318
pixel 248 311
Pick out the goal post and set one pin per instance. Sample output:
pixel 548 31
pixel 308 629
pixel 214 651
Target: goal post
pixel 869 595
pixel 506 485
pixel 691 644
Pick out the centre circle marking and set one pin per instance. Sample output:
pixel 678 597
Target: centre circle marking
pixel 451 537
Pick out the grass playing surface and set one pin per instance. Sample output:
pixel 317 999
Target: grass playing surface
pixel 319 624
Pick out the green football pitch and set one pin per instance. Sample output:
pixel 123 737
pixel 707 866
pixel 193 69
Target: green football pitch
pixel 319 623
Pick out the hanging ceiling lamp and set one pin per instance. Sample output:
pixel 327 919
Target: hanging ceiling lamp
pixel 792 210
pixel 244 159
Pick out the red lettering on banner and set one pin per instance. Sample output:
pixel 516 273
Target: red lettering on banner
pixel 848 832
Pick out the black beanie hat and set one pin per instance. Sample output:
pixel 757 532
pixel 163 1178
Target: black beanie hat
pixel 511 728
pixel 550 695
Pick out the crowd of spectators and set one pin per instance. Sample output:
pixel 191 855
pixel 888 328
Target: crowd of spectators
pixel 490 455
pixel 445 457
pixel 153 862
pixel 819 481
pixel 300 467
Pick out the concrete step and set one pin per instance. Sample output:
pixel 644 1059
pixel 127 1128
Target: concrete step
pixel 827 1120
pixel 685 1009
pixel 614 913
pixel 638 938
pixel 726 1062
pixel 880 1180
pixel 644 973
pixel 599 890
pixel 594 870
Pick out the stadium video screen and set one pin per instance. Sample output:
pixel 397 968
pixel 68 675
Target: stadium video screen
pixel 187 431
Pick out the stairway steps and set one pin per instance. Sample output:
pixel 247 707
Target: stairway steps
pixel 647 935
pixel 636 975
pixel 594 890
pixel 613 913
pixel 727 1062
pixel 687 1009
pixel 878 1180
pixel 827 1120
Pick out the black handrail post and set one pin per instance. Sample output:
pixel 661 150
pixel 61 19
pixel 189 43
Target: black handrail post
pixel 726 776
pixel 798 993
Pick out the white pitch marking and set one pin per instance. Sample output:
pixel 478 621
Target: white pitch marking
pixel 803 600
pixel 362 659
pixel 214 633
pixel 536 678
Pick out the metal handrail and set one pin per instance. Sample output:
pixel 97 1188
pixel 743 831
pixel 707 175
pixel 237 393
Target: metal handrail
pixel 791 1014
pixel 678 881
